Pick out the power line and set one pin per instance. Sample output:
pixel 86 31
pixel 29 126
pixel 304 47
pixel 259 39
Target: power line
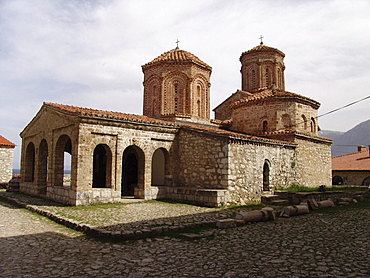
pixel 340 108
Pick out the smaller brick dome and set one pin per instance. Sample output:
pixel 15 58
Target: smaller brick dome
pixel 262 48
pixel 177 55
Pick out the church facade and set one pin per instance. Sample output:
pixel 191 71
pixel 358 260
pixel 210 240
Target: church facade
pixel 262 137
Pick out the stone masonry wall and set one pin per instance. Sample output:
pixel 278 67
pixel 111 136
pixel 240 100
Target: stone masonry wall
pixel 246 161
pixel 250 118
pixel 203 161
pixel 6 163
pixel 312 163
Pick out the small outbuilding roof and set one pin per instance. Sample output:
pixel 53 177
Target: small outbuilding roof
pixel 359 161
pixel 6 142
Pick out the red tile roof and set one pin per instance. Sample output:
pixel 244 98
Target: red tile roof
pixel 263 48
pixel 359 161
pixel 177 55
pixel 95 113
pixel 6 142
pixel 264 94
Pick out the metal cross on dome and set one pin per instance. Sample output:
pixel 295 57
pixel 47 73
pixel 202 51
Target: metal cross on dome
pixel 177 44
pixel 261 37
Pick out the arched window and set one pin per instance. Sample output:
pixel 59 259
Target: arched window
pixel 266 176
pixel 366 182
pixel 30 163
pixel 265 126
pixel 267 77
pixel 102 166
pixel 313 125
pixel 254 80
pixel 159 167
pixel 304 122
pixel 337 180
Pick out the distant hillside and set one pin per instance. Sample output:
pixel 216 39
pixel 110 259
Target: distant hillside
pixel 347 142
pixel 331 134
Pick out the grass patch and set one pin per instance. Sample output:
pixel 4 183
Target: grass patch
pixel 298 188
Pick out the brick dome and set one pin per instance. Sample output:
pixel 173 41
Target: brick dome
pixel 263 48
pixel 177 55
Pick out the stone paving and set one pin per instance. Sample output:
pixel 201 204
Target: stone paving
pixel 314 245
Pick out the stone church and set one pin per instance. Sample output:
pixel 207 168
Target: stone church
pixel 262 137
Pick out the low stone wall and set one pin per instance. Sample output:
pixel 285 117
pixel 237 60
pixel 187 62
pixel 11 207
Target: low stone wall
pixel 28 188
pixel 300 197
pixel 97 195
pixel 199 196
pixel 61 194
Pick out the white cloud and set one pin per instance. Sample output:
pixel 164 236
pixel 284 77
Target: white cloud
pixel 89 53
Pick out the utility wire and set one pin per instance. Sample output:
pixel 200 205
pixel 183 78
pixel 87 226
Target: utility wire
pixel 330 112
pixel 340 108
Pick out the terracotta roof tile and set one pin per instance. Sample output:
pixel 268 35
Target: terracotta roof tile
pixel 264 93
pixel 95 113
pixel 359 161
pixel 234 135
pixel 6 142
pixel 177 55
pixel 263 48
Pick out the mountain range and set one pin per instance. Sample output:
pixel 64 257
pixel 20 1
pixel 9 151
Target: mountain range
pixel 347 142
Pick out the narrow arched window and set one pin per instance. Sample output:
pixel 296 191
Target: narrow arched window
pixel 267 76
pixel 254 79
pixel 313 125
pixel 266 176
pixel 265 126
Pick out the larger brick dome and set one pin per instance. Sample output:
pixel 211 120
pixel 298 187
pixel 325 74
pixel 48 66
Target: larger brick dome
pixel 177 55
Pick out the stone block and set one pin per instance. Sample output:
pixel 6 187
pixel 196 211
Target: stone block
pixel 326 204
pixel 250 216
pixel 359 198
pixel 226 223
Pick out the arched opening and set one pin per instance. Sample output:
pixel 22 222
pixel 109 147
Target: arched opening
pixel 29 174
pixel 198 109
pixel 313 125
pixel 266 176
pixel 159 167
pixel 102 166
pixel 267 77
pixel 42 167
pixel 132 170
pixel 304 122
pixel 366 182
pixel 254 85
pixel 265 126
pixel 337 180
pixel 64 145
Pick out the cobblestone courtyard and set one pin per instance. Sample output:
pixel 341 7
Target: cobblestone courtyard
pixel 315 245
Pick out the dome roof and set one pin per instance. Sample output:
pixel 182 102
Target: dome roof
pixel 263 48
pixel 177 55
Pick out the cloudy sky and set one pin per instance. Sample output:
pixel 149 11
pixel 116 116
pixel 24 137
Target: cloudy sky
pixel 89 52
